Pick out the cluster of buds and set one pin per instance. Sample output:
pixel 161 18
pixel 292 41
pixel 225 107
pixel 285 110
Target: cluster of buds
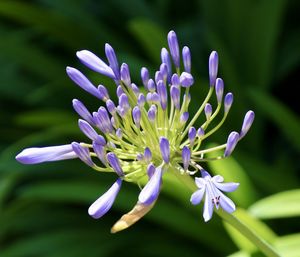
pixel 148 132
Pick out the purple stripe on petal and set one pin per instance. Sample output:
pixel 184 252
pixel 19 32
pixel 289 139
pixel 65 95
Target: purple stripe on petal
pixel 150 170
pixel 112 60
pixel 197 196
pixel 162 92
pixel 88 130
pixel 100 152
pixel 82 111
pixel 83 153
pixel 226 203
pixel 164 146
pixel 115 163
pixel 174 48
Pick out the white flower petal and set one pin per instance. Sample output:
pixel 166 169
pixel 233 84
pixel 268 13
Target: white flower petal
pixel 197 196
pixel 227 187
pixel 208 207
pixel 226 203
pixel 200 182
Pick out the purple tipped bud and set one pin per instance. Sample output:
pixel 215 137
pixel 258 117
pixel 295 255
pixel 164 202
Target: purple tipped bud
pixel 175 95
pixel 151 190
pixel 136 115
pixel 95 63
pixel 114 122
pixel 164 149
pixel 87 129
pixel 35 155
pixel 162 91
pixel 83 153
pixel 135 89
pixel 141 100
pixel 152 113
pixel 145 76
pixel 192 134
pixel 219 89
pixel 103 204
pixel 184 117
pixel 164 71
pixel 153 98
pixel 103 93
pixel 213 67
pixel 151 85
pixel 100 152
pixel 82 111
pixel 208 111
pixel 175 80
pixel 186 157
pixel 158 76
pixel 165 58
pixel 125 74
pixel 119 133
pixel 102 120
pixel 200 132
pixel 111 107
pixel 124 103
pixel 112 60
pixel 186 56
pixel 232 140
pixel 115 163
pixel 228 102
pixel 186 79
pixel 83 82
pixel 147 155
pixel 174 48
pixel 140 157
pixel 150 170
pixel 248 120
pixel 120 91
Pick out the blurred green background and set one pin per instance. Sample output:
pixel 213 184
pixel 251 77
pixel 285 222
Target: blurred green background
pixel 43 208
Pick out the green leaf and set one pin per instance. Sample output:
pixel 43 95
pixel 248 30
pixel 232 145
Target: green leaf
pixel 281 205
pixel 288 246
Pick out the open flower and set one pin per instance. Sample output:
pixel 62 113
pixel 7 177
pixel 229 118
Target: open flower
pixel 146 134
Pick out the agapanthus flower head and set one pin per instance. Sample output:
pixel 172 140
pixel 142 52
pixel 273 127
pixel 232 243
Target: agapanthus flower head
pixel 146 134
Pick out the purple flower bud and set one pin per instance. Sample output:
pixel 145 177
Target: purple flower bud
pixel 139 157
pixel 135 89
pixel 186 79
pixel 87 129
pixel 192 134
pixel 174 48
pixel 114 122
pixel 164 71
pixel 100 152
pixel 136 115
pixel 152 113
pixel 147 155
pixel 153 98
pixel 186 57
pixel 82 111
pixel 186 157
pixel 175 80
pixel 111 107
pixel 83 153
pixel 103 93
pixel 124 103
pixel 158 76
pixel 103 204
pixel 232 140
pixel 114 163
pixel 141 100
pixel 35 155
pixel 162 91
pixel 200 132
pixel 112 60
pixel 175 95
pixel 213 67
pixel 145 76
pixel 248 120
pixel 102 120
pixel 120 91
pixel 184 117
pixel 208 111
pixel 83 82
pixel 150 170
pixel 119 133
pixel 95 63
pixel 219 89
pixel 164 149
pixel 151 85
pixel 165 58
pixel 228 102
pixel 125 74
pixel 151 190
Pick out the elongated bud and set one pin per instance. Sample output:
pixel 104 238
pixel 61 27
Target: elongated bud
pixel 83 153
pixel 100 152
pixel 102 120
pixel 175 80
pixel 153 98
pixel 186 157
pixel 186 56
pixel 186 79
pixel 103 93
pixel 228 99
pixel 158 76
pixel 150 170
pixel 164 149
pixel 174 48
pixel 232 140
pixel 152 113
pixel 111 107
pixel 175 95
pixel 213 67
pixel 103 204
pixel 184 117
pixel 82 111
pixel 136 115
pixel 83 82
pixel 192 134
pixel 114 163
pixel 95 63
pixel 164 71
pixel 125 74
pixel 219 89
pixel 165 58
pixel 208 111
pixel 112 60
pixel 248 120
pixel 120 91
pixel 162 92
pixel 119 133
pixel 151 85
pixel 200 132
pixel 141 100
pixel 124 103
pixel 135 89
pixel 147 155
pixel 88 130
pixel 145 76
